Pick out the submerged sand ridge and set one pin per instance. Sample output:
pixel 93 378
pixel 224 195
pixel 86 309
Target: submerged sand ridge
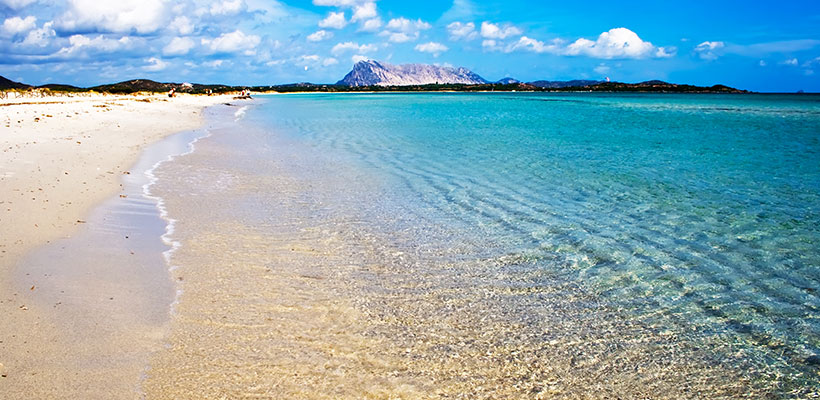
pixel 64 306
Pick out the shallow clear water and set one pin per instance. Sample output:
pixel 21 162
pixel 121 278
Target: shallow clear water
pixel 561 242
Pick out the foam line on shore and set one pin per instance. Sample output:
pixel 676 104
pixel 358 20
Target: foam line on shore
pixel 163 212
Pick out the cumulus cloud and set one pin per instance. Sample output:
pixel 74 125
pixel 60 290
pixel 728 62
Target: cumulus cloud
pixel 493 31
pixel 319 36
pixel 371 25
pixel 142 16
pixel 329 61
pixel 16 25
pixel 364 12
pixel 16 4
pixel 345 47
pixel 182 25
pixel 233 42
pixel 792 62
pixel 401 30
pixel 536 46
pixel 339 3
pixel 462 31
pixel 358 58
pixel 432 47
pixel 178 46
pixel 155 64
pixel 229 7
pixel 617 43
pixel 335 20
pixel 82 45
pixel 709 50
pixel 40 37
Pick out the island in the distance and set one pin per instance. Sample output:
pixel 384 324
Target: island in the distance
pixel 375 76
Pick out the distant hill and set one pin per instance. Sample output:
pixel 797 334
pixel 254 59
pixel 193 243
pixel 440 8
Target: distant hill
pixel 508 81
pixel 61 88
pixel 9 84
pixel 374 73
pixel 661 86
pixel 564 84
pixel 146 85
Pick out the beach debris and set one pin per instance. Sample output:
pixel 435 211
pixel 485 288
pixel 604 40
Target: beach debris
pixel 123 196
pixel 32 287
pixel 3 371
pixel 79 221
pixel 24 308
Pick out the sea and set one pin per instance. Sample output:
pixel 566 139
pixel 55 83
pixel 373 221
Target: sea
pixel 497 245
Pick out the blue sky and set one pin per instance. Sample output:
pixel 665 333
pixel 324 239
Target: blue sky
pixel 755 45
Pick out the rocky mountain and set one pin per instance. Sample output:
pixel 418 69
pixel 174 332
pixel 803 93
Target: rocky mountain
pixel 374 73
pixel 9 84
pixel 563 84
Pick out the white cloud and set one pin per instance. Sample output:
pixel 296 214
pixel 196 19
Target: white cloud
pixel 709 50
pixel 364 12
pixel 319 36
pixel 358 57
pixel 329 61
pixel 338 3
pixel 371 25
pixel 335 20
pixel 41 37
pixel 617 43
pixel 407 26
pixel 178 46
pixel 489 44
pixel 401 30
pixel 16 25
pixel 791 62
pixel 536 46
pixel 461 31
pixel 214 63
pixel 142 16
pixel 341 48
pixel 16 4
pixel 155 64
pixel 432 47
pixel 228 7
pixel 80 43
pixel 762 63
pixel 399 37
pixel 233 42
pixel 182 25
pixel 493 31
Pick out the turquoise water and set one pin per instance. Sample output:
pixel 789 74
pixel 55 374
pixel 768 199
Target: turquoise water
pixel 692 218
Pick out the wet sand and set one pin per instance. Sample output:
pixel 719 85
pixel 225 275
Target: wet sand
pixel 66 310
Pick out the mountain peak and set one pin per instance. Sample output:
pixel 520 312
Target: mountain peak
pixel 376 73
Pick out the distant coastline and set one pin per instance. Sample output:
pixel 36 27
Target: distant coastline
pixel 148 86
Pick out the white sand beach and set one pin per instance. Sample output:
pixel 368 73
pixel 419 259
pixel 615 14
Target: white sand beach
pixel 61 156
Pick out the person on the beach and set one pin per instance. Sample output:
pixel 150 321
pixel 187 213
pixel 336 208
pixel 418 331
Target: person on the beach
pixel 172 92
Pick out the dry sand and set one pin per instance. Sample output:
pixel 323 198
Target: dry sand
pixel 60 157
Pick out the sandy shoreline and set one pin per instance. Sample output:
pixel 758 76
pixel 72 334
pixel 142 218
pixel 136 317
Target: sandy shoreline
pixel 61 156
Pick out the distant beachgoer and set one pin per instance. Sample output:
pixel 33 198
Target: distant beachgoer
pixel 172 92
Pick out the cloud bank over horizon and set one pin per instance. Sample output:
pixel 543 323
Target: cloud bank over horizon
pixel 88 42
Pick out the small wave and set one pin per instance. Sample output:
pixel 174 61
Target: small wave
pixel 240 113
pixel 163 212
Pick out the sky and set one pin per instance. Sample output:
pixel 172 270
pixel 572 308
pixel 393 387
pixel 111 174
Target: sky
pixel 768 46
